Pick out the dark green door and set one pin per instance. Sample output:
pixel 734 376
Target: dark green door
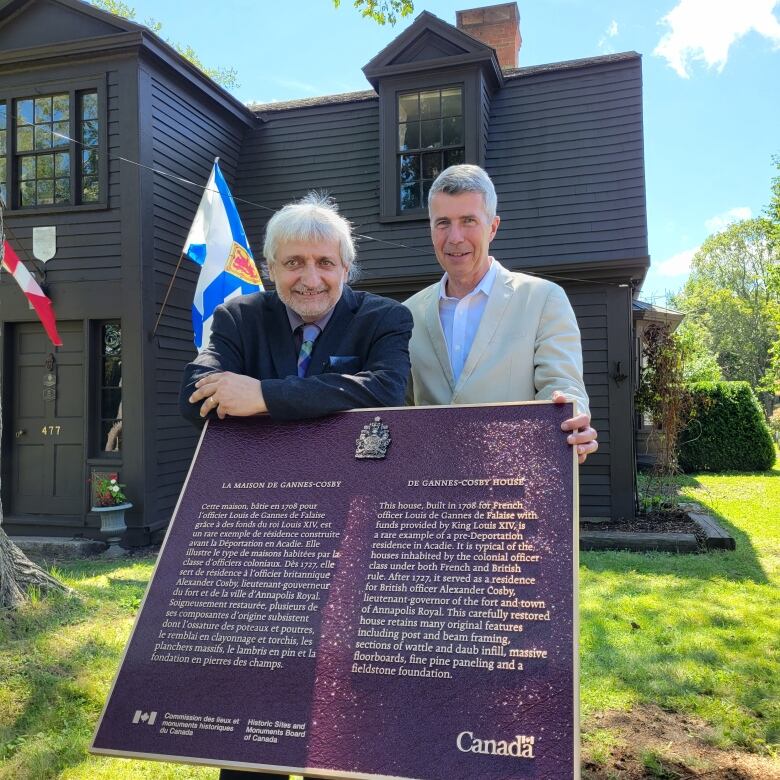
pixel 47 450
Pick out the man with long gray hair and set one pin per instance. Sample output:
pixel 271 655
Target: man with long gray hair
pixel 313 346
pixel 484 334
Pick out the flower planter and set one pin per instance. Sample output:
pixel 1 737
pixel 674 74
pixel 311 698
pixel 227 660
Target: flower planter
pixel 112 526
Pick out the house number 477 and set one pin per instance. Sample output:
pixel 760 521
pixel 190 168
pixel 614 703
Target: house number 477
pixel 50 430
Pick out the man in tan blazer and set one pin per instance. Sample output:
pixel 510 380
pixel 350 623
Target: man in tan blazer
pixel 484 334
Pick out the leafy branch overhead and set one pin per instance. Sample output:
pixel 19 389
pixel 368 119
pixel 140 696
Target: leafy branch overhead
pixel 382 11
pixel 225 77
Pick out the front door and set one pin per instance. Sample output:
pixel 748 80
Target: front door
pixel 47 447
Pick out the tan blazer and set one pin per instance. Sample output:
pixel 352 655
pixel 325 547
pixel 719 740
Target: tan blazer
pixel 527 345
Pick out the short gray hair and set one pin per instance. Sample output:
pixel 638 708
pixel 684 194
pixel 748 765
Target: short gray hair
pixel 313 218
pixel 465 178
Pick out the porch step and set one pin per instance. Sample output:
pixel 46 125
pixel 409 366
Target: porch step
pixel 54 547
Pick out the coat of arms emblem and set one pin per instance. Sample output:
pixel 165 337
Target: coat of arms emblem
pixel 373 441
pixel 241 264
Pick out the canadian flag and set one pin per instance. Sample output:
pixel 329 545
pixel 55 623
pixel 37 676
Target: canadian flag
pixel 32 290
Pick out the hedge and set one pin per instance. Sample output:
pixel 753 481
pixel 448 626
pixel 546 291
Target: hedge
pixel 727 430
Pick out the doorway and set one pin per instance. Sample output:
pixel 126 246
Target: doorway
pixel 47 423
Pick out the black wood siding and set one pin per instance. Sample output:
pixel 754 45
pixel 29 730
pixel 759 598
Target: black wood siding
pixel 564 149
pixel 590 306
pixel 566 155
pixel 88 240
pixel 333 148
pixel 95 247
pixel 186 135
pixel 484 125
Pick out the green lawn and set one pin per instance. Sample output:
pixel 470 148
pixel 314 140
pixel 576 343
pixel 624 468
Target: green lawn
pixel 693 634
pixel 699 635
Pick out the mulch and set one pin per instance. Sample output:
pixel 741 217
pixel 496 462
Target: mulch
pixel 657 521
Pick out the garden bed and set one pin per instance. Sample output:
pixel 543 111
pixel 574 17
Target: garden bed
pixel 688 530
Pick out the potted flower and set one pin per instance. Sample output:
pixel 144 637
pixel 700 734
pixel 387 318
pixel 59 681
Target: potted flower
pixel 111 503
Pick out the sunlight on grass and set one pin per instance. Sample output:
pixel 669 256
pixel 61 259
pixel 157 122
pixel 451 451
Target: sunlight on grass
pixel 696 634
pixel 599 743
pixel 58 660
pixel 98 768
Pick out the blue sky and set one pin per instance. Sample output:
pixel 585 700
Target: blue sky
pixel 711 73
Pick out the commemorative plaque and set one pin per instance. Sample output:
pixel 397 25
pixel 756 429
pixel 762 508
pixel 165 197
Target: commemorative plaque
pixel 379 594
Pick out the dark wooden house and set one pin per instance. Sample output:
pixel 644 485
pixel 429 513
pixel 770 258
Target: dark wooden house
pixel 563 143
pixel 68 68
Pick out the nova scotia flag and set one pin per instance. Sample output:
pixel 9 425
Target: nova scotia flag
pixel 218 244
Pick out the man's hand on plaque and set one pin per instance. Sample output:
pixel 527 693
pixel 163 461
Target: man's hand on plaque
pixel 229 394
pixel 583 437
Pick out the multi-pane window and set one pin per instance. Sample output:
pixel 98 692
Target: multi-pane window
pixel 3 147
pixel 55 140
pixel 110 387
pixel 430 139
pixel 43 150
pixel 89 138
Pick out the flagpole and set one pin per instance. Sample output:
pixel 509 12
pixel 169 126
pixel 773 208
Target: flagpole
pixel 170 284
pixel 167 293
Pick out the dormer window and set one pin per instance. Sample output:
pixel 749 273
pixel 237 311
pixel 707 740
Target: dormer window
pixel 435 85
pixel 430 138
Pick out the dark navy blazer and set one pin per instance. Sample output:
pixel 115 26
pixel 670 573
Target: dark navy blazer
pixel 360 360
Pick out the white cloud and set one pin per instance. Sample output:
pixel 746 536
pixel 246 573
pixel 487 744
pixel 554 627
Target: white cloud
pixel 610 32
pixel 677 264
pixel 705 30
pixel 720 221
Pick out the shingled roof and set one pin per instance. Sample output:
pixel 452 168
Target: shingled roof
pixel 509 74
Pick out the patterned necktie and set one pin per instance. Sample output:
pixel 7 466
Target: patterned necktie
pixel 309 334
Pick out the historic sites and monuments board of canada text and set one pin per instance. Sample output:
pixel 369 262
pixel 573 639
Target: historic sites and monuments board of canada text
pixel 378 594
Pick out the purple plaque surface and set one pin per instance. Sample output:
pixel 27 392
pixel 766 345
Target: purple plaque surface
pixel 379 594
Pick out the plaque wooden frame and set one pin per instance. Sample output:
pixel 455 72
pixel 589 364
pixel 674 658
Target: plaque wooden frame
pixel 111 736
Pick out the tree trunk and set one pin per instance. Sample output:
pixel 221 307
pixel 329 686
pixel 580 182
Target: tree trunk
pixel 17 572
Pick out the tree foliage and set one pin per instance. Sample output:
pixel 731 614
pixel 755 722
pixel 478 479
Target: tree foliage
pixel 773 209
pixel 698 356
pixel 730 299
pixel 226 77
pixel 382 11
pixel 771 381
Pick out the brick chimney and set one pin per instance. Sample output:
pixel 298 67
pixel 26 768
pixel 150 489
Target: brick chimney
pixel 497 26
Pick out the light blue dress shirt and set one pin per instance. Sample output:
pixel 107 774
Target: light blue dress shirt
pixel 460 317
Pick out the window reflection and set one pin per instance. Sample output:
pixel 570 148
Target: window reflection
pixel 110 397
pixel 57 154
pixel 42 126
pixel 430 139
pixel 88 119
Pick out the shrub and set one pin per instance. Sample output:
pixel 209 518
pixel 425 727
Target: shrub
pixel 727 431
